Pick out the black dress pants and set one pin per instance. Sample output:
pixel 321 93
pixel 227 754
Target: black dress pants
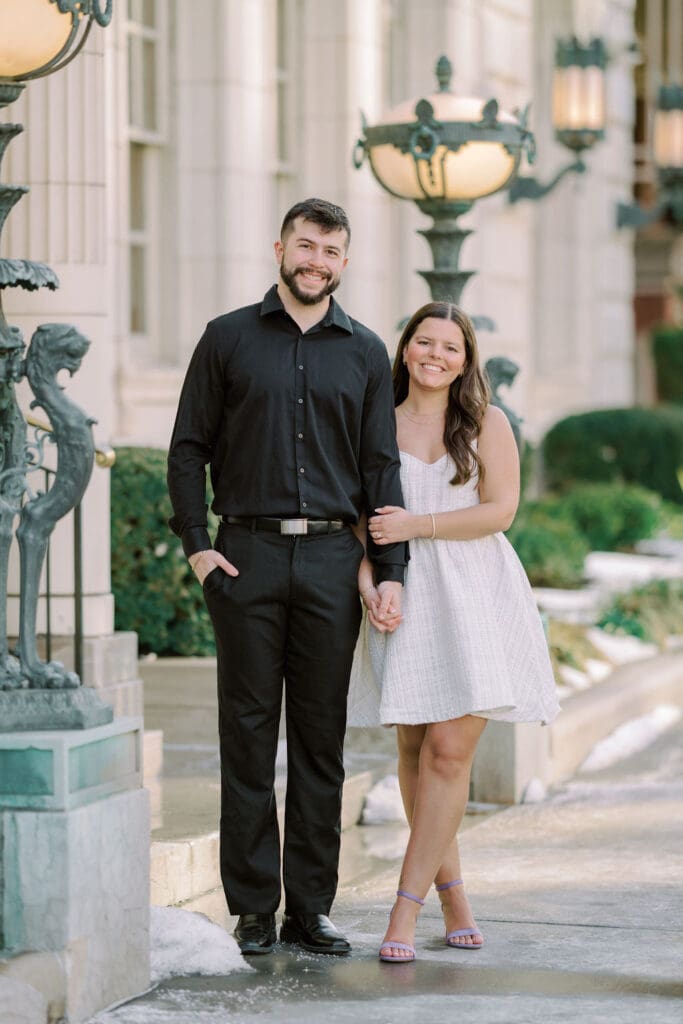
pixel 291 616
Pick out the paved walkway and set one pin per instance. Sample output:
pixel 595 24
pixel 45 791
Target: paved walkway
pixel 579 899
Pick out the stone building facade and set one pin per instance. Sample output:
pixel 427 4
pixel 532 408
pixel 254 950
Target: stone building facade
pixel 161 161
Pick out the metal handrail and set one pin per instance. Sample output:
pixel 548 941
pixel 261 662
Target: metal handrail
pixel 105 457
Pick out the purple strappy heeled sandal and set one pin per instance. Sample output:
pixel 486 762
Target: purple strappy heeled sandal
pixel 474 932
pixel 390 944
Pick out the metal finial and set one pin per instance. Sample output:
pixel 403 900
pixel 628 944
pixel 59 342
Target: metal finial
pixel 444 73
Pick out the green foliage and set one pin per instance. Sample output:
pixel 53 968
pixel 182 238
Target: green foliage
pixel 667 351
pixel 553 536
pixel 651 613
pixel 638 446
pixel 549 546
pixel 612 517
pixel 155 591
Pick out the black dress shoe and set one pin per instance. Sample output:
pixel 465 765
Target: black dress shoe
pixel 313 932
pixel 255 933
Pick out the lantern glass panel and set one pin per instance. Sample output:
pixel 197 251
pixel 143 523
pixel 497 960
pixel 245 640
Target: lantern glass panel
pixel 32 33
pixel 477 168
pixel 668 138
pixel 578 99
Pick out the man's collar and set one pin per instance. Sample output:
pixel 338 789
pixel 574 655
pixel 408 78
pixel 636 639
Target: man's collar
pixel 335 315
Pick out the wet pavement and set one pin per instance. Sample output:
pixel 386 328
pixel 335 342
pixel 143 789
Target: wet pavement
pixel 578 897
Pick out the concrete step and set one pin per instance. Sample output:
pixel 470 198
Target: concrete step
pixel 187 866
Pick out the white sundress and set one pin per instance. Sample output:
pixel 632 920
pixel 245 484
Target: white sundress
pixel 471 640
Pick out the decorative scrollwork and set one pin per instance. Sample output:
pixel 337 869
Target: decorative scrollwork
pixel 86 8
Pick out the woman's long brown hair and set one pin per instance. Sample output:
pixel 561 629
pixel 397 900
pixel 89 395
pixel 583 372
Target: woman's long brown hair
pixel 468 396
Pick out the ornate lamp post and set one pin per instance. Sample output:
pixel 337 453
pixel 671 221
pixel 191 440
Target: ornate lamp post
pixel 444 152
pixel 36 38
pixel 668 158
pixel 578 109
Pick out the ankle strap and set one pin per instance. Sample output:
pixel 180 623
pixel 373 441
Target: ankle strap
pixel 448 885
pixel 409 896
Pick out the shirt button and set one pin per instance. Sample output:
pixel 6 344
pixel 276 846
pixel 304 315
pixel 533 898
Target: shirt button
pixel 300 401
pixel 304 504
pixel 301 366
pixel 300 436
pixel 301 469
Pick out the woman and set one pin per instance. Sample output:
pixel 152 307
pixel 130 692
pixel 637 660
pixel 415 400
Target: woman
pixel 470 644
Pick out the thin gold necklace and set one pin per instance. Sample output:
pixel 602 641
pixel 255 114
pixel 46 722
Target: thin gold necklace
pixel 426 418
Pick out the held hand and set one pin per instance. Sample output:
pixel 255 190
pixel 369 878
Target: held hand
pixel 204 562
pixel 392 524
pixel 386 616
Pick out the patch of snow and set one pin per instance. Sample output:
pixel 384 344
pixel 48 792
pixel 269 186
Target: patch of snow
pixel 578 606
pixel 667 547
pixel 620 648
pixel 630 738
pixel 183 942
pixel 386 843
pixel 614 570
pixel 573 677
pixel 383 803
pixel 534 792
pixel 597 670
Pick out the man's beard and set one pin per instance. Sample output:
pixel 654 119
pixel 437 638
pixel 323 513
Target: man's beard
pixel 307 298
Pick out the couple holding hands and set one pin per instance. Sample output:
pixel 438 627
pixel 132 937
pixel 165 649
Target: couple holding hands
pixel 331 478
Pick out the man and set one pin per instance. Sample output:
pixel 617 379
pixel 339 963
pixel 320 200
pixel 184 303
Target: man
pixel 291 403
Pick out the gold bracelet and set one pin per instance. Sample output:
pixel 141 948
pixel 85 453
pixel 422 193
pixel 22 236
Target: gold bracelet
pixel 433 536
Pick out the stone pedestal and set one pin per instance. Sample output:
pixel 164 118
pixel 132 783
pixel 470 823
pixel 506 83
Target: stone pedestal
pixel 74 862
pixel 509 756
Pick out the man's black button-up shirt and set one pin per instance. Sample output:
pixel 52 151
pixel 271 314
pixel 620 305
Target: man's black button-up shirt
pixel 292 424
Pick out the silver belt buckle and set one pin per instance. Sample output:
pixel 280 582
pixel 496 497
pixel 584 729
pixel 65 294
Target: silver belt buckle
pixel 294 526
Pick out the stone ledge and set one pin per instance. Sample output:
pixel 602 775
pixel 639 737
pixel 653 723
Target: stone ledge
pixel 509 756
pixel 186 869
pixel 62 770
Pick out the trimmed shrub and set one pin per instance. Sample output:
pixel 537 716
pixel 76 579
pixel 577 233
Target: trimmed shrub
pixel 549 547
pixel 613 517
pixel 636 446
pixel 155 591
pixel 650 613
pixel 667 351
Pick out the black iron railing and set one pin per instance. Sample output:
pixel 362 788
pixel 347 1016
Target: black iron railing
pixel 104 457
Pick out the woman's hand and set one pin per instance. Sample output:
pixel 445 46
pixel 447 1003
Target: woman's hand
pixel 394 524
pixel 372 599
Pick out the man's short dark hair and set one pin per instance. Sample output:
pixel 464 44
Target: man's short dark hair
pixel 326 215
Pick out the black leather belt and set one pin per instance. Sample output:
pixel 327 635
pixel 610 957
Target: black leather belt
pixel 288 527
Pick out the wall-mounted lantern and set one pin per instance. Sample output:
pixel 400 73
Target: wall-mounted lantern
pixel 668 159
pixel 578 109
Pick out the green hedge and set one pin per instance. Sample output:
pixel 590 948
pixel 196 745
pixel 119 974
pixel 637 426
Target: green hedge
pixel 612 517
pixel 549 546
pixel 155 591
pixel 638 446
pixel 667 352
pixel 553 536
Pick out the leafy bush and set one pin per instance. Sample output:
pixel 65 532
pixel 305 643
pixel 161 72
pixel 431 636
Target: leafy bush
pixel 612 517
pixel 638 446
pixel 667 351
pixel 550 548
pixel 155 591
pixel 651 613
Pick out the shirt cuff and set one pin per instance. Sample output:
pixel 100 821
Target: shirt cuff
pixel 194 539
pixel 393 573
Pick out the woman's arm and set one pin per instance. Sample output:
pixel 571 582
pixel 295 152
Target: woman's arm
pixel 498 493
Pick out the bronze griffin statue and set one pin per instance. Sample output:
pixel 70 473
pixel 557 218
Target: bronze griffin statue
pixel 53 347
